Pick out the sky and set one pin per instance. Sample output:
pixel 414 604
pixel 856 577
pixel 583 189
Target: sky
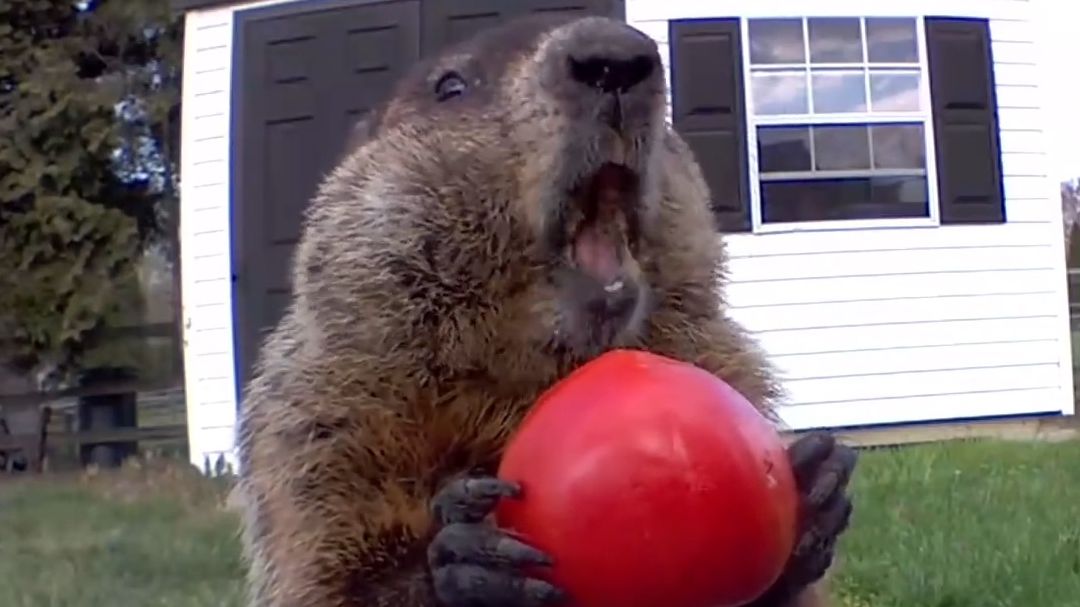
pixel 1061 51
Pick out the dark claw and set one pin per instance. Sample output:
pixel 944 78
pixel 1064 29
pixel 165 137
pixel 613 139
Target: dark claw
pixel 470 499
pixel 822 470
pixel 461 585
pixel 835 519
pixel 807 453
pixel 474 564
pixel 832 476
pixel 479 544
pixel 826 526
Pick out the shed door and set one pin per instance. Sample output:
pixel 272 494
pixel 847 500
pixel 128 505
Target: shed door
pixel 303 78
pixel 303 75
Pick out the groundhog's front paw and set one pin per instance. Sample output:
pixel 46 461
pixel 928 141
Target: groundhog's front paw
pixel 474 564
pixel 822 469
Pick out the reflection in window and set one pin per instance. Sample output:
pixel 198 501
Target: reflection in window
pixel 898 146
pixel 777 41
pixel 869 197
pixel 784 149
pixel 835 40
pixel 840 129
pixel 839 92
pixel 894 91
pixel 779 93
pixel 841 147
pixel 891 40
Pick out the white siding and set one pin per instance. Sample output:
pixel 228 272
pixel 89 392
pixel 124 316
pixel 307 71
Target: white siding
pixel 210 380
pixel 868 326
pixel 912 324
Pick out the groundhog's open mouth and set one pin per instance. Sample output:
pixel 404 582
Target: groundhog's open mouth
pixel 607 230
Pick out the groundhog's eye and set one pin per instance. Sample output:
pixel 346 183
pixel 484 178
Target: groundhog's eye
pixel 450 85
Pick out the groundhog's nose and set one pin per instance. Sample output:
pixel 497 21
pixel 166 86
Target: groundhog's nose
pixel 609 74
pixel 610 56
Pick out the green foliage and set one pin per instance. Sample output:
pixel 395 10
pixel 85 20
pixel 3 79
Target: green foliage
pixel 89 106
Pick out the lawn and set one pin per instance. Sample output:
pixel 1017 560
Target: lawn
pixel 950 525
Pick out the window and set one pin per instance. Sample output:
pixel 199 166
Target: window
pixel 839 119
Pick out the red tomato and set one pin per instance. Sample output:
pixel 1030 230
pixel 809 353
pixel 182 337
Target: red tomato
pixel 651 483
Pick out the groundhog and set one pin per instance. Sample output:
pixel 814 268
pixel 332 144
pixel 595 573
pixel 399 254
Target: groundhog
pixel 517 206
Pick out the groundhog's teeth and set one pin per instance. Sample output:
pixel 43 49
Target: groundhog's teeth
pixel 614 287
pixel 618 152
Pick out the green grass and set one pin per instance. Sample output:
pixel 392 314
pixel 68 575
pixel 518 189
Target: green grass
pixel 145 537
pixel 948 525
pixel 965 525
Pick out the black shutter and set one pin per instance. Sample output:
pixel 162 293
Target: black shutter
pixel 708 111
pixel 966 134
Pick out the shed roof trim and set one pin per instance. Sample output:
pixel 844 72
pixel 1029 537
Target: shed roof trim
pixel 188 5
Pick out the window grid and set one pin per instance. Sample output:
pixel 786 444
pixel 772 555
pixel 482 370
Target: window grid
pixel 922 116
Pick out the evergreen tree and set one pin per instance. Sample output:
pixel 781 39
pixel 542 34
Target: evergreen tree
pixel 89 122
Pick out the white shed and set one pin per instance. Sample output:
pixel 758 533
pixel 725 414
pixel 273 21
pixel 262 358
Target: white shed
pixel 880 170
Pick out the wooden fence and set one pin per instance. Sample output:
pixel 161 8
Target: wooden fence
pixel 101 425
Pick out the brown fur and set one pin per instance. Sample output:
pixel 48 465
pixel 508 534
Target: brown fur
pixel 421 330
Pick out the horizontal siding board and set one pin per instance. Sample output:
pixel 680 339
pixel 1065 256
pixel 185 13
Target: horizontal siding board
pixel 1016 74
pixel 888 311
pixel 1022 97
pixel 217 414
pixel 1012 30
pixel 206 176
pixel 1013 51
pixel 210 102
pixel 933 333
pixel 926 408
pixel 210 266
pixel 1025 188
pixel 857 241
pixel 211 80
pixel 869 288
pixel 870 263
pixel 215 122
pixel 921 383
pixel 891 361
pixel 209 60
pixel 1023 141
pixel 1025 164
pixel 209 239
pixel 215 439
pixel 209 340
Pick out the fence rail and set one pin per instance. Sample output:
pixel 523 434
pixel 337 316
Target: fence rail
pixel 101 425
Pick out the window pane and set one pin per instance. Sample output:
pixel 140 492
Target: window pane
pixel 834 199
pixel 783 148
pixel 894 92
pixel 776 41
pixel 891 40
pixel 779 93
pixel 835 40
pixel 842 147
pixel 839 92
pixel 898 146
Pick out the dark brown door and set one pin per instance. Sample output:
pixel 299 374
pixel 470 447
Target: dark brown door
pixel 303 73
pixel 301 80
